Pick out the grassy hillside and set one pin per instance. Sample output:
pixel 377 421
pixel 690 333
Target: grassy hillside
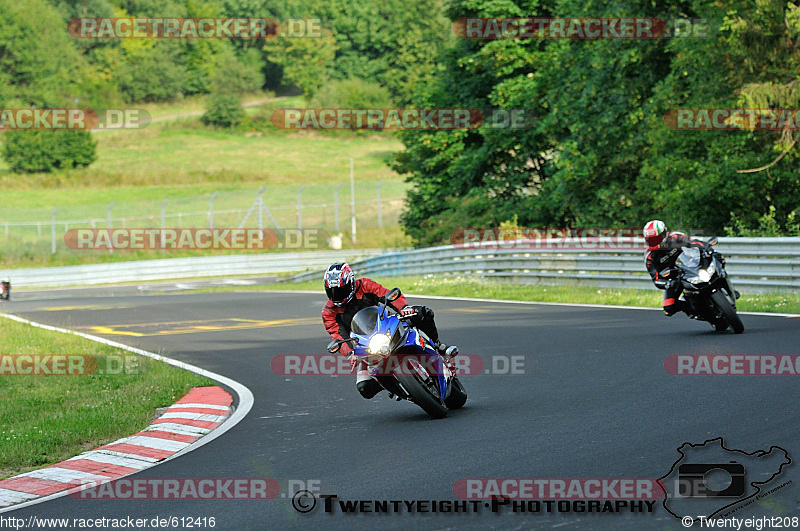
pixel 184 162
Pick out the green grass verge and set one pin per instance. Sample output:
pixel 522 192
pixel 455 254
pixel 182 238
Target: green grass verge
pixel 487 289
pixel 45 419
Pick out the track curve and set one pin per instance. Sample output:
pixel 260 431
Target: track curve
pixel 594 400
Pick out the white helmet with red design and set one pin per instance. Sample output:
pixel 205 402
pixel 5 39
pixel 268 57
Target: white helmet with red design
pixel 654 234
pixel 340 282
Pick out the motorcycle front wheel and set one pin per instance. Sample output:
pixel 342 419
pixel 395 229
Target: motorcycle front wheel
pixel 728 311
pixel 422 391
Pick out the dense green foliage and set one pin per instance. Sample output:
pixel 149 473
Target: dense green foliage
pixel 48 150
pixel 392 46
pixel 601 153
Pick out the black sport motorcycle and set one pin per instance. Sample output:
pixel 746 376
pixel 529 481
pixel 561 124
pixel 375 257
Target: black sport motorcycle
pixel 707 288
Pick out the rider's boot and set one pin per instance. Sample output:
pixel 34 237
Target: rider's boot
pixel 367 385
pixel 687 308
pixel 448 353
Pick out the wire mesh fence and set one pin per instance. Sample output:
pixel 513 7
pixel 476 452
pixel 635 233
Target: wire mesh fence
pixel 329 207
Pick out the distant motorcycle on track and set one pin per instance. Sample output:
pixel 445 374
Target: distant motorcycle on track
pixel 402 359
pixel 5 289
pixel 707 288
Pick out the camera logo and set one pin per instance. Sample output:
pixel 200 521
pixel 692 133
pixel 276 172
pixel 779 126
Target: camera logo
pixel 709 478
pixel 706 480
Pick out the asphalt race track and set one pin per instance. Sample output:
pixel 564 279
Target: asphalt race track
pixel 594 401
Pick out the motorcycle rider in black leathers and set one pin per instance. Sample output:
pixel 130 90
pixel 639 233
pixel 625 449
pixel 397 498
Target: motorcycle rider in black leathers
pixel 663 250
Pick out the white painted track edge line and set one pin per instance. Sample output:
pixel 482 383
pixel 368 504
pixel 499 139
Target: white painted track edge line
pixel 241 411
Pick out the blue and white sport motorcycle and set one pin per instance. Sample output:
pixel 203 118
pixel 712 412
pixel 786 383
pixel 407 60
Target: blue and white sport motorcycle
pixel 403 359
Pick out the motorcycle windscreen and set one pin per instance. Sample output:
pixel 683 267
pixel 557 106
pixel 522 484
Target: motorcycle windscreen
pixel 365 320
pixel 689 258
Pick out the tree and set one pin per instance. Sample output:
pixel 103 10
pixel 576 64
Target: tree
pixel 305 61
pixel 601 153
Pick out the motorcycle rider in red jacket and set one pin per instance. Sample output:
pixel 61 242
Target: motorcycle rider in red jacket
pixel 348 295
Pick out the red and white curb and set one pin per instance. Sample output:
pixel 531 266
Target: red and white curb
pixel 198 413
pixel 198 418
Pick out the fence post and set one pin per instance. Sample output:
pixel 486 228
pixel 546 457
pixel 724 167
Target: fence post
pixel 53 231
pixel 300 207
pixel 6 229
pixel 352 202
pixel 211 210
pixel 380 216
pixel 260 201
pixel 336 207
pixel 108 215
pixel 163 221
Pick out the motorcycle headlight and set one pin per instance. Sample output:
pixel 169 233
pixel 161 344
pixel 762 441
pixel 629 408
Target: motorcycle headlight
pixel 379 344
pixel 704 275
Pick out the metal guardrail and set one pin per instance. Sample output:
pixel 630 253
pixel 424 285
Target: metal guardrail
pixel 205 266
pixel 755 264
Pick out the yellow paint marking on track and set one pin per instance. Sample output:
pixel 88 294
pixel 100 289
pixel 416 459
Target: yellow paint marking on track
pixel 85 307
pixel 112 332
pixel 195 326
